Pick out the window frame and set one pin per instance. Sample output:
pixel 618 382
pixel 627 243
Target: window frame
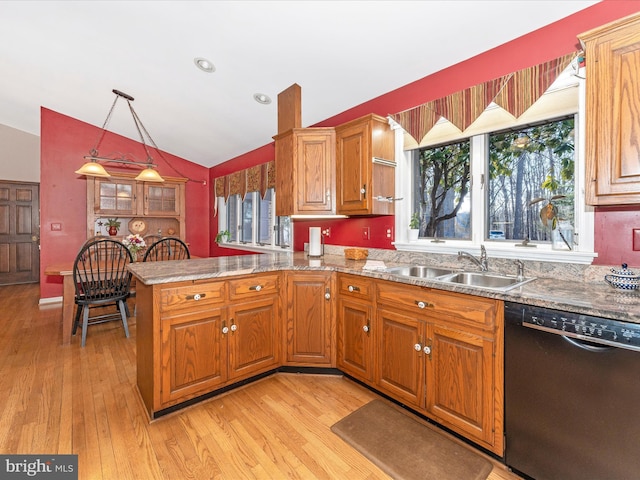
pixel 254 245
pixel 584 214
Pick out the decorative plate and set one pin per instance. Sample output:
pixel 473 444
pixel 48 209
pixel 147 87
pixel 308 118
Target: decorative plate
pixel 138 225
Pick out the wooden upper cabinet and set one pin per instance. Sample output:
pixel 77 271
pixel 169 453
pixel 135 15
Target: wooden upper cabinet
pixel 612 54
pixel 305 166
pixel 365 167
pixel 121 196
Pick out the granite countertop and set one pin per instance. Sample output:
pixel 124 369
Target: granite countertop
pixel 592 298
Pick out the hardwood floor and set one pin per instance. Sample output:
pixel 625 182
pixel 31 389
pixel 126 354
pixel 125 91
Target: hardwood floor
pixel 84 401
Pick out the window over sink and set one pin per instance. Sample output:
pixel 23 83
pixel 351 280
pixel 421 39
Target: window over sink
pixel 503 182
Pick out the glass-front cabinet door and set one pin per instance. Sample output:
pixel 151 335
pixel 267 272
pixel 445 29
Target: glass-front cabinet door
pixel 162 199
pixel 115 197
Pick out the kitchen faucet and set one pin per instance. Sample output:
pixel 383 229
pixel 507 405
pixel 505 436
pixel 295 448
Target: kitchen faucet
pixel 482 262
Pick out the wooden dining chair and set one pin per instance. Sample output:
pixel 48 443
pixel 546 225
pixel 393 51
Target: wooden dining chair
pixel 167 248
pixel 101 278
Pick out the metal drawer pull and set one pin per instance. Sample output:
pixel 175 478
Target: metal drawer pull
pixel 353 288
pixel 257 288
pixel 196 297
pixel 423 304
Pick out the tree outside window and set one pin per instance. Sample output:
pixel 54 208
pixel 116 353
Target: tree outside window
pixel 531 180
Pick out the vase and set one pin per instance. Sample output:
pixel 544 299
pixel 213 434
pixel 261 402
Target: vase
pixel 134 256
pixel 113 231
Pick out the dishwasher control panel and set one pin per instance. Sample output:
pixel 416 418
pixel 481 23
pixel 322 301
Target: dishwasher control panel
pixel 599 330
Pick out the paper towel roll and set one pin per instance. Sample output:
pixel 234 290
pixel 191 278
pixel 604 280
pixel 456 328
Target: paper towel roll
pixel 315 244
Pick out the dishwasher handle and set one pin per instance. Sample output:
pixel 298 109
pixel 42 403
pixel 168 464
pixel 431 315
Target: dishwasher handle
pixel 585 346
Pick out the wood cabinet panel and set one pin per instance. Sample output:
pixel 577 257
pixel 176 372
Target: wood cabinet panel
pixel 354 339
pixel 400 368
pixel 612 54
pixel 365 167
pixel 194 352
pixel 310 326
pixel 461 381
pixel 305 171
pixel 191 296
pixel 253 337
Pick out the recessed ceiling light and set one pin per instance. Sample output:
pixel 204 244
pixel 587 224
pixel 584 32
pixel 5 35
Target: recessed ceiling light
pixel 204 64
pixel 262 98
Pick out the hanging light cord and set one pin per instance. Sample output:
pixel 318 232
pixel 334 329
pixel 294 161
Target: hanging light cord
pixel 140 128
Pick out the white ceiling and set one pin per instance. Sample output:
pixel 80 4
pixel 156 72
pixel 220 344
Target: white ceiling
pixel 67 56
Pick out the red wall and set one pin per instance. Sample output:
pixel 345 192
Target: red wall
pixel 64 142
pixel 536 47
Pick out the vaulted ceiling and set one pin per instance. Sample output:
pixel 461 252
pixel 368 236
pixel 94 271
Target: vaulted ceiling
pixel 68 56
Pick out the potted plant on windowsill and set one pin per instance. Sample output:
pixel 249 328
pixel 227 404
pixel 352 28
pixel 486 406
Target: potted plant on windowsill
pixel 223 236
pixel 414 226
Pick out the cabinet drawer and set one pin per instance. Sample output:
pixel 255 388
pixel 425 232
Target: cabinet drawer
pixel 354 286
pixel 252 286
pixel 461 308
pixel 191 295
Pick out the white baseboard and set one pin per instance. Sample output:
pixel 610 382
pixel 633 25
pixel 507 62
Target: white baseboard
pixel 50 300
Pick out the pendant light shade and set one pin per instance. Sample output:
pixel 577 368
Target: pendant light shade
pixel 93 169
pixel 149 175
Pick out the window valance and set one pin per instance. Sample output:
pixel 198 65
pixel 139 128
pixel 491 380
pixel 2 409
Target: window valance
pixel 253 179
pixel 515 93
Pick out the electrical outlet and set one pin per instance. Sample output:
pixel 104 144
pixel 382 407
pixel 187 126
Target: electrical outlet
pixel 326 232
pixel 389 232
pixel 366 233
pixel 56 227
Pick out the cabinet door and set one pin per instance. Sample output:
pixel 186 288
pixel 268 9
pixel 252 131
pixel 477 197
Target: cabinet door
pixel 193 354
pixel 613 122
pixel 400 361
pixel 354 339
pixel 114 197
pixel 162 200
pixel 353 164
pixel 460 382
pixel 253 337
pixel 309 319
pixel 305 171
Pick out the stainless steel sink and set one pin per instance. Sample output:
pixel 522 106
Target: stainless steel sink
pixel 419 271
pixel 485 280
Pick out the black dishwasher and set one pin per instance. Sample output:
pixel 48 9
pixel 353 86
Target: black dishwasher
pixel 572 395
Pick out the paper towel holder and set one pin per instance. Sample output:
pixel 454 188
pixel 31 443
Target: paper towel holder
pixel 321 252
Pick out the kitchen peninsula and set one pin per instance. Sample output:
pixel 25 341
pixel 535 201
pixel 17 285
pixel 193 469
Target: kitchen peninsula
pixel 207 325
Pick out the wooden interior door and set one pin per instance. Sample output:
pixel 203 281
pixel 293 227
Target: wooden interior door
pixel 19 232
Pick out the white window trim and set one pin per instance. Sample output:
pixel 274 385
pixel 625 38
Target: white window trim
pixel 583 253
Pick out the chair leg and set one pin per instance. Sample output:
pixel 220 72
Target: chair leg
pixel 76 320
pixel 123 314
pixel 85 324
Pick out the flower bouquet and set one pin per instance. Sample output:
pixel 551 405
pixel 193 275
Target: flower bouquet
pixel 134 243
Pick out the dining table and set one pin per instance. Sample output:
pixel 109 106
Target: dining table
pixel 65 270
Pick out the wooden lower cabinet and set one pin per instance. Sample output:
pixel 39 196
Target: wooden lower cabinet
pixel 195 337
pixel 310 329
pixel 462 392
pixel 354 321
pixel 193 353
pixel 441 353
pixel 400 369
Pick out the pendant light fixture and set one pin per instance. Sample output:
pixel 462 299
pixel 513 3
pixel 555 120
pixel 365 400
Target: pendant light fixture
pixel 93 168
